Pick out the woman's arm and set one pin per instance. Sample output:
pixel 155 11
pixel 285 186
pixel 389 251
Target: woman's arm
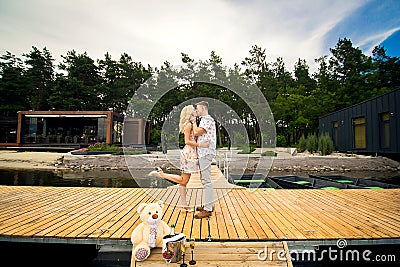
pixel 186 132
pixel 197 130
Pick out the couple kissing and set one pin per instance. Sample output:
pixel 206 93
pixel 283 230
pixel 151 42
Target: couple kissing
pixel 199 132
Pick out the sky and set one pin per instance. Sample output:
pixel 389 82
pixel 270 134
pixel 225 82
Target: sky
pixel 154 31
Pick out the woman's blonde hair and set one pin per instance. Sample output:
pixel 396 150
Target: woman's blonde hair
pixel 185 116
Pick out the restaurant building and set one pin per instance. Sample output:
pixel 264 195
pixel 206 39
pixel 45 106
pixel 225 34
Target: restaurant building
pixel 68 128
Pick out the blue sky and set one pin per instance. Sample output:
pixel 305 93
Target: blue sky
pixel 154 31
pixel 376 22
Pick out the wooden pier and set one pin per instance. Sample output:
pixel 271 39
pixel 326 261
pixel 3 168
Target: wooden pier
pixel 107 216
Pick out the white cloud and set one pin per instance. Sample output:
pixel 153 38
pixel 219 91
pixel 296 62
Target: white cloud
pixel 370 42
pixel 154 31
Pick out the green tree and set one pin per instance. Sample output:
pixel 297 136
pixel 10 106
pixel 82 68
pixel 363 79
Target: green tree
pixel 351 68
pixel 259 72
pixel 13 88
pixel 81 88
pixel 39 75
pixel 283 77
pixel 387 69
pixel 303 80
pixel 121 79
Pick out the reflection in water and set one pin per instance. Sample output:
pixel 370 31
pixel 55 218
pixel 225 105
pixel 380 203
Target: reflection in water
pixel 50 178
pixel 116 179
pixel 123 179
pixel 391 177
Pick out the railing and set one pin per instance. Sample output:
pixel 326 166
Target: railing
pixel 222 160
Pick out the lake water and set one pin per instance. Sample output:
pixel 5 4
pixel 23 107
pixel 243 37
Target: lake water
pixel 116 179
pixel 50 178
pixel 121 179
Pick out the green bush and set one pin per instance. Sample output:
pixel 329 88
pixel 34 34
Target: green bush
pixel 325 144
pixel 269 154
pixel 312 143
pixel 155 137
pixel 239 139
pixel 302 146
pixel 246 150
pixel 102 147
pixel 132 152
pixel 281 140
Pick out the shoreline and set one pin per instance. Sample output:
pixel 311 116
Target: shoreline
pixel 106 162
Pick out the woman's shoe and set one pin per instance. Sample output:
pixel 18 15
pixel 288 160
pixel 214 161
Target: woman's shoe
pixel 156 173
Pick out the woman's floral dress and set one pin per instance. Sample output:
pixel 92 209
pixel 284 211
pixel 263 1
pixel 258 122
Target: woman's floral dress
pixel 189 159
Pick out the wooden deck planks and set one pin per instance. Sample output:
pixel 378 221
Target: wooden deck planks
pixel 330 214
pixel 311 220
pixel 34 213
pixel 368 213
pixel 234 254
pixel 123 217
pixel 240 214
pixel 278 215
pixel 346 211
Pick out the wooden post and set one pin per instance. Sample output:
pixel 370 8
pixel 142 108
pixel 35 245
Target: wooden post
pixel 109 127
pixel 19 128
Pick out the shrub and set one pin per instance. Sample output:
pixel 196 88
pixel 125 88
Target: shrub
pixel 312 143
pixel 155 137
pixel 102 147
pixel 132 152
pixel 302 146
pixel 281 140
pixel 325 144
pixel 239 139
pixel 246 149
pixel 269 154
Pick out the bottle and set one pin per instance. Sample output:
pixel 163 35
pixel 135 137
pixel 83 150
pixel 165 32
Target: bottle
pixel 172 230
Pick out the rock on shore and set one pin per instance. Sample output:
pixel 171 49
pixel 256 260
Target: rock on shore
pixel 298 163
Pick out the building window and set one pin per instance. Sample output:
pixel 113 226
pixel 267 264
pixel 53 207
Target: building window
pixel 335 129
pixel 384 130
pixel 360 140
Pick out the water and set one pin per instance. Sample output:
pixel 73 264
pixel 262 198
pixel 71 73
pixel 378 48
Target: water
pixel 123 179
pixel 115 179
pixel 61 179
pixel 47 254
pixel 390 177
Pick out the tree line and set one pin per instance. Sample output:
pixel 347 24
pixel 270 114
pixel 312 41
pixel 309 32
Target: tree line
pixel 344 77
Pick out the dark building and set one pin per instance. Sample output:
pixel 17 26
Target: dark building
pixel 8 130
pixel 369 127
pixel 68 128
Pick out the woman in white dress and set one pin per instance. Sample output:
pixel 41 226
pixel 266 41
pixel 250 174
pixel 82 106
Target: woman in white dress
pixel 189 161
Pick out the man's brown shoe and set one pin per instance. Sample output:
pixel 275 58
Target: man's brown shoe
pixel 200 208
pixel 203 214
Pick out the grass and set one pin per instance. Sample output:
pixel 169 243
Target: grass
pixel 132 152
pixel 246 149
pixel 103 147
pixel 269 154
